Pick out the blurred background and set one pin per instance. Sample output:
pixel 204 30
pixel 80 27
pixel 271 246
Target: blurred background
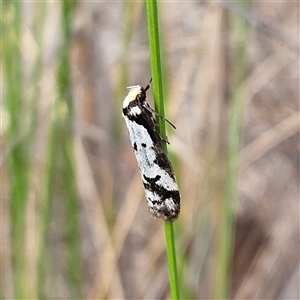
pixel 74 219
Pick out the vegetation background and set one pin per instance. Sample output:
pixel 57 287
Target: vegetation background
pixel 74 222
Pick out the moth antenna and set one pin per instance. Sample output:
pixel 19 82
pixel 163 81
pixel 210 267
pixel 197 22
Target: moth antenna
pixel 148 85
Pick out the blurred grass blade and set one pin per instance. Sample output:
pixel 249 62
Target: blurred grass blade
pixel 235 118
pixel 72 207
pixel 61 144
pixel 18 139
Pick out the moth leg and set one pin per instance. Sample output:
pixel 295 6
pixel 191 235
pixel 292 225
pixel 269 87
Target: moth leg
pixel 150 109
pixel 166 141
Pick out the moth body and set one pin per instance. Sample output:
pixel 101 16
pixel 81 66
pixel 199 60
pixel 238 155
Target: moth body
pixel 161 189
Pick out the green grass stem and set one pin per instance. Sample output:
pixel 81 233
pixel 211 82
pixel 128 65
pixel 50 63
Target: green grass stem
pixel 153 32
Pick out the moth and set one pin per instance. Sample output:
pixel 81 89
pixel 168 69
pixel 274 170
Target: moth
pixel 161 189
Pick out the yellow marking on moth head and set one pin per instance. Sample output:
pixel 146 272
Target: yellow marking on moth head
pixel 133 92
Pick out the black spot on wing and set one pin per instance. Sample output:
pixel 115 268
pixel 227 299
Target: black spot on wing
pixel 151 185
pixel 152 180
pixel 144 145
pixel 125 111
pixel 161 210
pixel 134 146
pixel 163 161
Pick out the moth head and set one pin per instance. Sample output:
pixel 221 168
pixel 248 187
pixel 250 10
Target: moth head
pixel 136 93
